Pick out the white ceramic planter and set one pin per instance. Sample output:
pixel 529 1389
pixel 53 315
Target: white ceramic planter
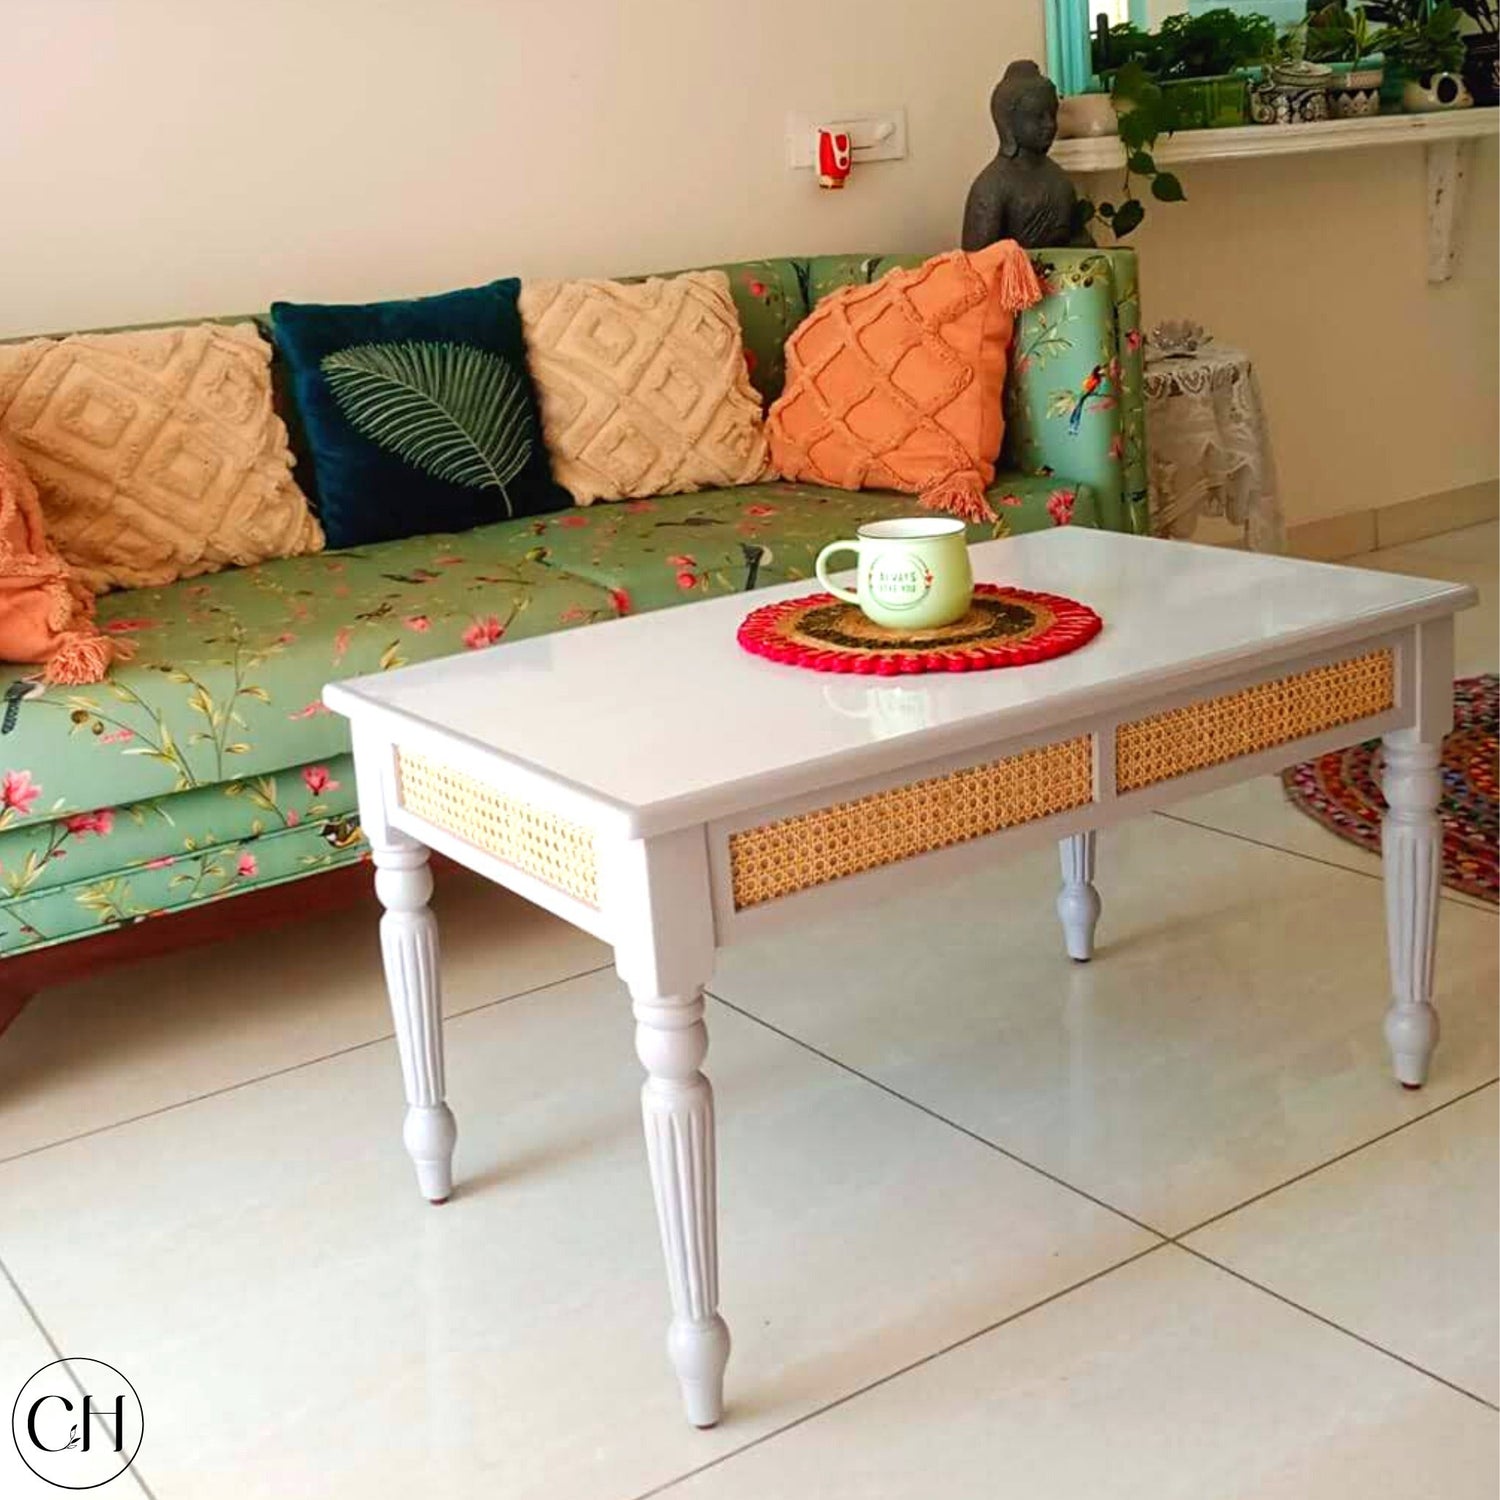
pixel 1439 91
pixel 1083 115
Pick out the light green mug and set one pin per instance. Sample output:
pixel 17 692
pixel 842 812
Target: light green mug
pixel 914 573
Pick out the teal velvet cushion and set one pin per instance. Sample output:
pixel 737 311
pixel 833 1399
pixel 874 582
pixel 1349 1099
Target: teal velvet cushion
pixel 419 416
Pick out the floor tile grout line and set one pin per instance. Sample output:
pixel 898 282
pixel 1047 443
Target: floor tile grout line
pixel 1170 1239
pixel 1165 1239
pixel 308 1062
pixel 1174 1240
pixel 1067 1291
pixel 964 1130
pixel 1315 859
pixel 64 1360
pixel 1328 1322
pixel 907 1369
pixel 1072 1187
pixel 1374 1140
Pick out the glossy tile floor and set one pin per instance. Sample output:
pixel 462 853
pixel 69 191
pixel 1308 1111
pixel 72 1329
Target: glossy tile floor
pixel 993 1225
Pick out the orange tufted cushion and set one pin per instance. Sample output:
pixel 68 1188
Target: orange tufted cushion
pixel 898 385
pixel 46 615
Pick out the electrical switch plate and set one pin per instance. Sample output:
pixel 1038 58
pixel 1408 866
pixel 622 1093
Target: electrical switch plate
pixel 876 135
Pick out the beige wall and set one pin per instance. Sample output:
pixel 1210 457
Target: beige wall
pixel 1379 386
pixel 162 158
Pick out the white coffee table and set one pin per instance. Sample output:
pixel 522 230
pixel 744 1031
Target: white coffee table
pixel 650 782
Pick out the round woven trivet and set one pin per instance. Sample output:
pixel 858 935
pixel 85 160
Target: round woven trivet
pixel 1005 627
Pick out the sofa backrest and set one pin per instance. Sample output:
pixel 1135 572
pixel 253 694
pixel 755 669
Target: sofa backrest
pixel 1088 319
pixel 771 299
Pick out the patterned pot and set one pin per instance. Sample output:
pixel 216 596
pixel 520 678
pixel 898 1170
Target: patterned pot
pixel 1287 104
pixel 1356 90
pixel 1434 91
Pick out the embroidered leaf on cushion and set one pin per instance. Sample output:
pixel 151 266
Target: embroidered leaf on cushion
pixel 366 493
pixel 899 384
pixel 156 453
pixel 643 385
pixel 458 413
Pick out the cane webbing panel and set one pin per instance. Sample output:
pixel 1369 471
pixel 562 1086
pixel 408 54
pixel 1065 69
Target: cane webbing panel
pixel 1186 739
pixel 795 854
pixel 553 850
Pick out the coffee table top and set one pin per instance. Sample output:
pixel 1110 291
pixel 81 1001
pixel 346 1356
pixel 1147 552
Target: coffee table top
pixel 665 718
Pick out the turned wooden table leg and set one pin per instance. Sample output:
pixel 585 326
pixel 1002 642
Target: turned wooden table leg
pixel 409 946
pixel 1078 902
pixel 1411 840
pixel 658 894
pixel 677 1110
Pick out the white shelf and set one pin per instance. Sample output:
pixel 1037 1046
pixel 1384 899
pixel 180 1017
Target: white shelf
pixel 1105 154
pixel 1446 135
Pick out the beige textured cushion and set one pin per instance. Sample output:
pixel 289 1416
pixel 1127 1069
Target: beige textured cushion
pixel 157 453
pixel 643 385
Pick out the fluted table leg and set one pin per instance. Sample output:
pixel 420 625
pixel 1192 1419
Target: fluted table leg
pixel 677 1109
pixel 657 891
pixel 1412 852
pixel 409 946
pixel 1078 901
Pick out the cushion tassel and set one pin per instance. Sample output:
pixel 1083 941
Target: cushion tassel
pixel 1017 285
pixel 81 656
pixel 959 494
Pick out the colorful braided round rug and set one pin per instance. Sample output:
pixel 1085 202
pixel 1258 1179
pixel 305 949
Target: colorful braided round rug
pixel 1005 627
pixel 1342 791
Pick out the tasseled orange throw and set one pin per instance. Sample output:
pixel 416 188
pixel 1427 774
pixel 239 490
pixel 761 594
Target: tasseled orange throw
pixel 46 616
pixel 899 384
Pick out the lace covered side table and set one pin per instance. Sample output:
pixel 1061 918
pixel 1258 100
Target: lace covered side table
pixel 1208 448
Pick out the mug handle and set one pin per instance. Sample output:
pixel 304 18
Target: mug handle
pixel 849 596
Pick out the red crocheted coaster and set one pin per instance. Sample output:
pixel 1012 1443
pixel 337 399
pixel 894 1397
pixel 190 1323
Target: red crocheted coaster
pixel 1005 627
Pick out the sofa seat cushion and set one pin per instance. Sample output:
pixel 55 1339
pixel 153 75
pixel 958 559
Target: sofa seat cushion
pixel 661 552
pixel 69 877
pixel 41 854
pixel 229 670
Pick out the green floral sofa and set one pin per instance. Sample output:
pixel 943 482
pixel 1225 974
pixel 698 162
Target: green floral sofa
pixel 207 767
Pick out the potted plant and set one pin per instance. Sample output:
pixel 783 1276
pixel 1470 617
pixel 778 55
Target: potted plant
pixel 1345 40
pixel 1093 111
pixel 1294 90
pixel 1114 46
pixel 1199 62
pixel 1432 52
pixel 1482 45
pixel 1145 113
pixel 1423 40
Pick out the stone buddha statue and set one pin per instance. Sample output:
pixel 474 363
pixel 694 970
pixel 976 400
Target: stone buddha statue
pixel 1022 195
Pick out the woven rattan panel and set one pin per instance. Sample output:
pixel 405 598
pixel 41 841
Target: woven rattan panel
pixel 555 851
pixel 795 854
pixel 1256 718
